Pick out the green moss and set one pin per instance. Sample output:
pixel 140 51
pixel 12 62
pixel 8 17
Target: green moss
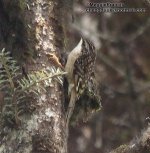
pixel 22 4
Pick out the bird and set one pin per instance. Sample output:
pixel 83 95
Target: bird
pixel 80 68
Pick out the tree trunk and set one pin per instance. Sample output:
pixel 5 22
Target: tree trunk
pixel 31 30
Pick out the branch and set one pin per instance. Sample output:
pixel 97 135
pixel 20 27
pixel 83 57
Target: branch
pixel 140 31
pixel 140 145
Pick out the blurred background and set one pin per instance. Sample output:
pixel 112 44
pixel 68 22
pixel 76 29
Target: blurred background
pixel 122 72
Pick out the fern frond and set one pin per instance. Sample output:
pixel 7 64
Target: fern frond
pixel 17 92
pixel 36 78
pixel 9 70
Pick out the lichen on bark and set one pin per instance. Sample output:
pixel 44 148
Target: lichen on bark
pixel 38 31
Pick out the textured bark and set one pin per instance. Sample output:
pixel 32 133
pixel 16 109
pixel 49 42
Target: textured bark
pixel 43 130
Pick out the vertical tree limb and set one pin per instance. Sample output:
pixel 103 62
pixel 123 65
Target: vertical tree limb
pixel 43 130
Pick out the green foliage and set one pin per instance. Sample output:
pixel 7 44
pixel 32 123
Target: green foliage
pixel 8 73
pixel 17 90
pixel 38 80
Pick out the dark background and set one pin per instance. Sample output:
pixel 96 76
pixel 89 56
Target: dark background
pixel 122 72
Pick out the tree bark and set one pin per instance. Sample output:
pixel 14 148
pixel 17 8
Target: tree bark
pixel 41 32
